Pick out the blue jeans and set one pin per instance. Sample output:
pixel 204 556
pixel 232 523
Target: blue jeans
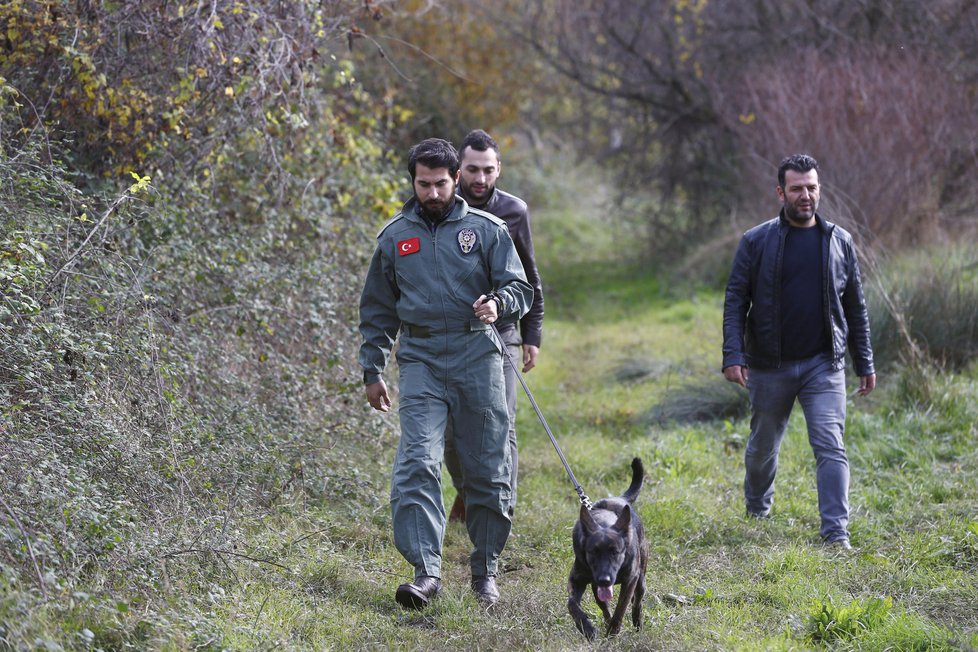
pixel 821 391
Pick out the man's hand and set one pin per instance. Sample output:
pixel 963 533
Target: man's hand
pixel 486 309
pixel 736 374
pixel 866 384
pixel 378 397
pixel 530 354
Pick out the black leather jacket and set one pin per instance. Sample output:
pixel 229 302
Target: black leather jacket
pixel 752 307
pixel 512 210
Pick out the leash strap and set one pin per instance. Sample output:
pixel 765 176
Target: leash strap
pixel 553 440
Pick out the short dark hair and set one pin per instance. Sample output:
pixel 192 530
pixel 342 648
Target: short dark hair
pixel 480 141
pixel 433 153
pixel 796 163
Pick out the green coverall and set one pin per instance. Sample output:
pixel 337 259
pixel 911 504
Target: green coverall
pixel 422 281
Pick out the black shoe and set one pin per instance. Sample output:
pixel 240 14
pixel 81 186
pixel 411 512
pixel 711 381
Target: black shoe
pixel 485 590
pixel 419 593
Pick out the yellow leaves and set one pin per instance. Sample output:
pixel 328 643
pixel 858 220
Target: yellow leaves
pixel 228 91
pixel 403 114
pixel 141 183
pixel 747 119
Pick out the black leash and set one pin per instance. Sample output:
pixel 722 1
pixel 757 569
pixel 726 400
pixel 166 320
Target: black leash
pixel 577 486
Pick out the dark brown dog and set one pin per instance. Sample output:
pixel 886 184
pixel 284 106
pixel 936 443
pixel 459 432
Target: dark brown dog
pixel 610 548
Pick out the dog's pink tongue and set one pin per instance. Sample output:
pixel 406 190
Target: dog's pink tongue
pixel 605 593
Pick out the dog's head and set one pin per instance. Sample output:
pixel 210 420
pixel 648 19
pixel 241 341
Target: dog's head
pixel 605 548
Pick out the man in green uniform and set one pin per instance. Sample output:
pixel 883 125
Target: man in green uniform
pixel 435 263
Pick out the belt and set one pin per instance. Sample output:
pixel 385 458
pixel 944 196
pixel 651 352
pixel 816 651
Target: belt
pixel 412 330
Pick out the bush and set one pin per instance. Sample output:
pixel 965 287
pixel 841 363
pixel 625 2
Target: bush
pixel 176 362
pixel 935 294
pixel 702 401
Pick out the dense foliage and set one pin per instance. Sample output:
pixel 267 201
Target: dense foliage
pixel 186 196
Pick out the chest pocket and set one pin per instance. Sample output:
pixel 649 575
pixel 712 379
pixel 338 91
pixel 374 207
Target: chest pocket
pixel 415 270
pixel 466 253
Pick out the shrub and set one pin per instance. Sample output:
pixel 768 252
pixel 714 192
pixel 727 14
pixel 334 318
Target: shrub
pixel 703 401
pixel 935 294
pixel 175 360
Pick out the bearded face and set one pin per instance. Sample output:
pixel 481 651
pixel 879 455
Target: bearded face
pixel 800 196
pixel 479 171
pixel 434 189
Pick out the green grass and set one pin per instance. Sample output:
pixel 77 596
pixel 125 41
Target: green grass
pixel 321 573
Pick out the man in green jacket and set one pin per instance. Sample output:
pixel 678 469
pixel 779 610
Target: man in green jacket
pixel 435 263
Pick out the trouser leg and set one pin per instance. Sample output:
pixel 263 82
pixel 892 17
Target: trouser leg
pixel 485 457
pixel 416 501
pixel 488 501
pixel 772 395
pixel 452 462
pixel 823 399
pixel 481 425
pixel 512 382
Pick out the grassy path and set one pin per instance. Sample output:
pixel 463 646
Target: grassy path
pixel 616 344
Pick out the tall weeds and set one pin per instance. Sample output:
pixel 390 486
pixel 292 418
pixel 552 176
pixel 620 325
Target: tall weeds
pixel 935 292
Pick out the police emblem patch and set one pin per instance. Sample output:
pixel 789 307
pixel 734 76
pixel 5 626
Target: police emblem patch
pixel 466 240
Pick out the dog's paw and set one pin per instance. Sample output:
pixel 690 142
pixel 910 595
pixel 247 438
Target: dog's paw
pixel 586 627
pixel 614 629
pixel 590 631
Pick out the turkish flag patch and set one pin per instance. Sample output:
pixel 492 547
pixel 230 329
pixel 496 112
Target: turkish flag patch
pixel 409 246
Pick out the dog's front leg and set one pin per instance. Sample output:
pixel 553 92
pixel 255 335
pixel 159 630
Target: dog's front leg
pixel 575 592
pixel 637 602
pixel 627 593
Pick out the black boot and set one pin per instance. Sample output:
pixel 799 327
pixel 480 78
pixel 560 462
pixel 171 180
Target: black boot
pixel 485 590
pixel 419 593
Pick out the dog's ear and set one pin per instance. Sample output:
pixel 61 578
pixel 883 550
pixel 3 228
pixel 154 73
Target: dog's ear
pixel 624 522
pixel 587 522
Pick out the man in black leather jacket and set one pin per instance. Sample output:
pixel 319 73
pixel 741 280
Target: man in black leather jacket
pixel 794 304
pixel 480 167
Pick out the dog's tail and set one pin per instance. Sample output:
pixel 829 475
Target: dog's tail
pixel 638 476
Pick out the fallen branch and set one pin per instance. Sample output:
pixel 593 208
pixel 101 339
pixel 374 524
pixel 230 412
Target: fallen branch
pixel 230 553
